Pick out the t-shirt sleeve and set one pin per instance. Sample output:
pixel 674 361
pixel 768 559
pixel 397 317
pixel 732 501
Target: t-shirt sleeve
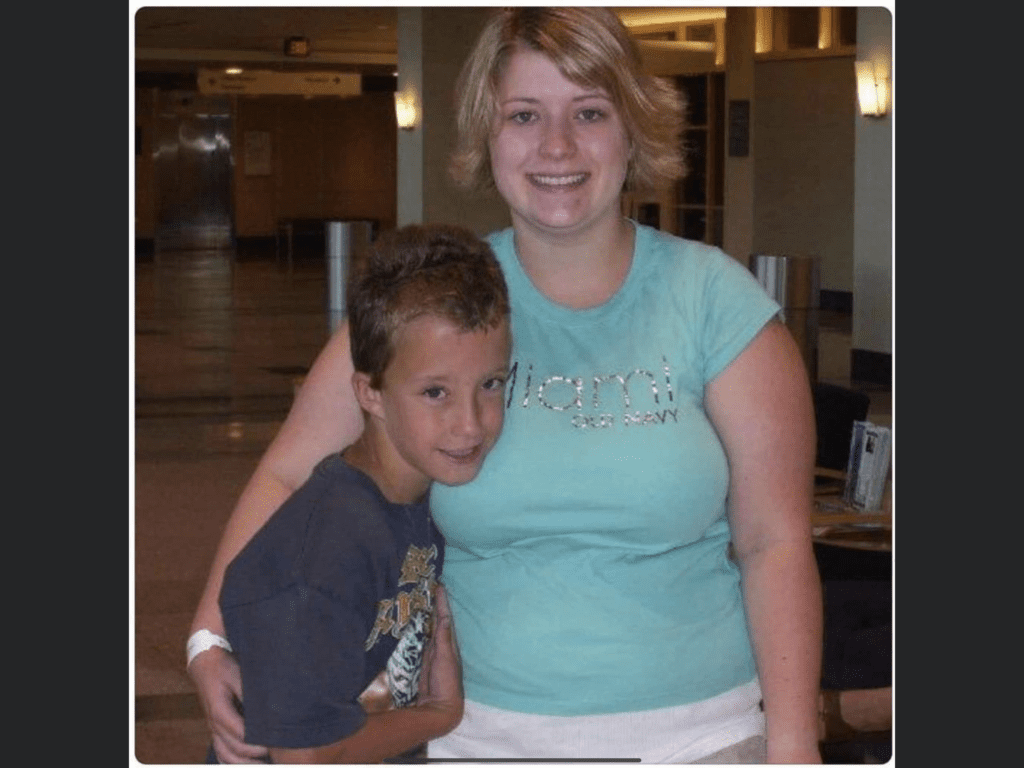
pixel 302 663
pixel 735 309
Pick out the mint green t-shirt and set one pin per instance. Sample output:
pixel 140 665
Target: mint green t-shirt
pixel 587 563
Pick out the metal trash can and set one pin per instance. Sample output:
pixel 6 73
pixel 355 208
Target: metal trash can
pixel 344 239
pixel 794 282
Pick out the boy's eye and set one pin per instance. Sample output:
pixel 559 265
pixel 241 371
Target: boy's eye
pixel 497 383
pixel 434 393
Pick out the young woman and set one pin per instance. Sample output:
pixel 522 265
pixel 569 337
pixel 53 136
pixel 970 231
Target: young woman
pixel 631 575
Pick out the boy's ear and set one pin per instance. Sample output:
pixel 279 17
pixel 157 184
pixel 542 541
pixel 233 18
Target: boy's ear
pixel 368 397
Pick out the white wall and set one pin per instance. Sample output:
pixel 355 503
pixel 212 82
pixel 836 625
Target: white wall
pixel 433 43
pixel 803 146
pixel 409 183
pixel 872 237
pixel 738 229
pixel 448 37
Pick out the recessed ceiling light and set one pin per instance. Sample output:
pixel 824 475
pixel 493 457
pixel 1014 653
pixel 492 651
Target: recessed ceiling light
pixel 297 46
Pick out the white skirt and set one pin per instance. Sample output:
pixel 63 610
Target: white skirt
pixel 670 735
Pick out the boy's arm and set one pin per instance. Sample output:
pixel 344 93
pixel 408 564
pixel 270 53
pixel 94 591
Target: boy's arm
pixel 384 735
pixel 324 418
pixel 393 732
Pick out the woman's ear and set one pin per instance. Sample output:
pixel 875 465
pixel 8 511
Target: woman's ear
pixel 368 397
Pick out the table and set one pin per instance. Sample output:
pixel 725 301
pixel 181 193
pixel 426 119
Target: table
pixel 853 551
pixel 835 523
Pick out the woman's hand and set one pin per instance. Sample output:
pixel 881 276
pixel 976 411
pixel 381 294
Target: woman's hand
pixel 218 682
pixel 806 754
pixel 441 676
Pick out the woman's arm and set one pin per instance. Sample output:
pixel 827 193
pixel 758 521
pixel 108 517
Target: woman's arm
pixel 324 418
pixel 762 408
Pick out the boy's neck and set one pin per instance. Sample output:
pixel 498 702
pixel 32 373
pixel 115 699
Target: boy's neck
pixel 374 455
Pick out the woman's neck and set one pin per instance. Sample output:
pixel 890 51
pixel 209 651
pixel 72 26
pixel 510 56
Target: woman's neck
pixel 577 270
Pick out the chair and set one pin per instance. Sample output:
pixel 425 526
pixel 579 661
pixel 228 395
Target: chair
pixel 835 410
pixel 857 586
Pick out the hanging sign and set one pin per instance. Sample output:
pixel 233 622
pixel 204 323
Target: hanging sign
pixel 267 83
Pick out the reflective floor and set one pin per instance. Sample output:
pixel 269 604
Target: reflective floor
pixel 219 345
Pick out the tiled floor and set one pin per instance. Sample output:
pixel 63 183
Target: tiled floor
pixel 218 346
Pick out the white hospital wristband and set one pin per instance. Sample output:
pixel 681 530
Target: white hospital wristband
pixel 204 640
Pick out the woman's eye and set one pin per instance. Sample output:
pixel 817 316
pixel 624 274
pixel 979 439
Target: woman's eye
pixel 591 115
pixel 521 118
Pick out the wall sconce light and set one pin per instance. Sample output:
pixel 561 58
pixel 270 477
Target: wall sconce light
pixel 872 89
pixel 406 110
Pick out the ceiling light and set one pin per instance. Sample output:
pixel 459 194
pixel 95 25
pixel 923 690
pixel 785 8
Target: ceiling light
pixel 297 46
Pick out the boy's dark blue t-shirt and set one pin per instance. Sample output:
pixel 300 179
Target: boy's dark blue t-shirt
pixel 335 589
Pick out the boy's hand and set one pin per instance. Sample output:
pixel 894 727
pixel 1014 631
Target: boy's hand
pixel 441 676
pixel 218 682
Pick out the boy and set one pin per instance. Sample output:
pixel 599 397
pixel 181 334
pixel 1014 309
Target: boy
pixel 332 599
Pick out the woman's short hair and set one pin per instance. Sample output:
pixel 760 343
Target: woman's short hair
pixel 421 269
pixel 590 47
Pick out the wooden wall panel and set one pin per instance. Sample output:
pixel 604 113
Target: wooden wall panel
pixel 332 158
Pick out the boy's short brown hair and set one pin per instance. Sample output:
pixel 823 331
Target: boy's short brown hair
pixel 591 47
pixel 421 269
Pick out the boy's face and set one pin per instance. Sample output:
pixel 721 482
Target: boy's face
pixel 442 400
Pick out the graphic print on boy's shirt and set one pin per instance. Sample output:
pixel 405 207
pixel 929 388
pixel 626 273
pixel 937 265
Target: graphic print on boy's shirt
pixel 407 617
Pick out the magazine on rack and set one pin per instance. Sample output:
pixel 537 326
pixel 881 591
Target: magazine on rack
pixel 868 468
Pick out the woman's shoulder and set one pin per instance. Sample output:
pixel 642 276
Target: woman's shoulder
pixel 689 261
pixel 667 245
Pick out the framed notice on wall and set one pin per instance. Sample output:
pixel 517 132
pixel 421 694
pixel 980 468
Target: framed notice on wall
pixel 739 128
pixel 257 153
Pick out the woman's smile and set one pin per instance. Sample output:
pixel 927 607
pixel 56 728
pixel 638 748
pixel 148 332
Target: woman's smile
pixel 555 183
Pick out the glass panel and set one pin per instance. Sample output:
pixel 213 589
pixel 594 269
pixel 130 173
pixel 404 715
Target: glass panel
pixel 649 214
pixel 669 35
pixel 692 223
pixel 700 33
pixel 803 27
pixel 716 135
pixel 693 187
pixel 848 25
pixel 695 91
pixel 717 236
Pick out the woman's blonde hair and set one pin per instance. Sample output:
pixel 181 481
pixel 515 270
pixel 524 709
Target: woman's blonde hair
pixel 590 47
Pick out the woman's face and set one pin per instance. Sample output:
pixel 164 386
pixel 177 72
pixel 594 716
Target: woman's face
pixel 558 150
